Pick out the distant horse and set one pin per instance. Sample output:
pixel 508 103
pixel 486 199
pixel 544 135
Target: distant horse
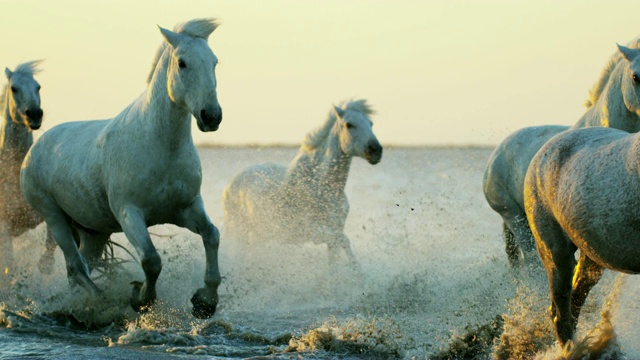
pixel 613 103
pixel 20 106
pixel 136 170
pixel 305 202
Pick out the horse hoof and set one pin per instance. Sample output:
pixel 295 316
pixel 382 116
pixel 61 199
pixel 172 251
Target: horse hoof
pixel 202 308
pixel 45 264
pixel 136 303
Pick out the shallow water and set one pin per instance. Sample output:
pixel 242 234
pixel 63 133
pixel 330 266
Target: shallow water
pixel 435 277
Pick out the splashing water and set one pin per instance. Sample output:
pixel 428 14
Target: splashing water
pixel 435 282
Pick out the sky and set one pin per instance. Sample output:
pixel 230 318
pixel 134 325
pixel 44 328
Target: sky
pixel 437 72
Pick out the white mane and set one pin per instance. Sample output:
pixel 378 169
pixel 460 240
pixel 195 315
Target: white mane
pixel 315 137
pixel 597 88
pixel 197 28
pixel 30 68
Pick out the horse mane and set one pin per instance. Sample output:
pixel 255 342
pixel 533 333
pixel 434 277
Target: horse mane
pixel 197 28
pixel 597 88
pixel 314 138
pixel 30 68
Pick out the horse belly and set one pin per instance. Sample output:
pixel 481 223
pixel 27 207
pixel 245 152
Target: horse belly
pixel 622 261
pixel 612 244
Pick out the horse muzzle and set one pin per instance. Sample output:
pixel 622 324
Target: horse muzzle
pixel 34 118
pixel 373 153
pixel 209 119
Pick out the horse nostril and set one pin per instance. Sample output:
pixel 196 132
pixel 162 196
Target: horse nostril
pixel 203 115
pixel 34 114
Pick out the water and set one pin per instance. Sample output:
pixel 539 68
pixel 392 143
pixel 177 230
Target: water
pixel 436 283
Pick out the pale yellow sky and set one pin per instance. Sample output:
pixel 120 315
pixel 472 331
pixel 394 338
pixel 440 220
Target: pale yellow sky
pixel 437 72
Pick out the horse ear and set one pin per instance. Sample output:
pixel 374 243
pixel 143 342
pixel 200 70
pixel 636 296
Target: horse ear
pixel 172 38
pixel 628 53
pixel 8 73
pixel 339 111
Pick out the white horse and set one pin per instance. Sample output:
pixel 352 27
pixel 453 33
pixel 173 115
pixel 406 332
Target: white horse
pixel 20 107
pixel 581 192
pixel 135 170
pixel 305 202
pixel 613 103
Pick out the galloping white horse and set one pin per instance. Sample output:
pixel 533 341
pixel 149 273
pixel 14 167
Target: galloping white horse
pixel 21 111
pixel 581 192
pixel 135 170
pixel 613 103
pixel 306 200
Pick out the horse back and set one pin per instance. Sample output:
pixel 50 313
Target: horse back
pixel 503 181
pixel 256 183
pixel 587 180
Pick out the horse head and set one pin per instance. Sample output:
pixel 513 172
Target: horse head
pixel 631 78
pixel 356 133
pixel 23 96
pixel 191 79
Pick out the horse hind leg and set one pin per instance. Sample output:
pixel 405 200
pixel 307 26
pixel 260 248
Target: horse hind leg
pixel 45 264
pixel 557 254
pixel 92 246
pixel 511 247
pixel 586 276
pixel 525 242
pixel 63 233
pixel 519 241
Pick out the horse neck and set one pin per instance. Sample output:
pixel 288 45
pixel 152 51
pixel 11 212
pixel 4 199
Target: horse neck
pixel 323 169
pixel 610 109
pixel 166 122
pixel 15 139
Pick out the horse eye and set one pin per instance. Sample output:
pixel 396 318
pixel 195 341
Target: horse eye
pixel 350 126
pixel 14 89
pixel 182 64
pixel 39 87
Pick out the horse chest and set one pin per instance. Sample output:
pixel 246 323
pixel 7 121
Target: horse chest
pixel 175 189
pixel 159 190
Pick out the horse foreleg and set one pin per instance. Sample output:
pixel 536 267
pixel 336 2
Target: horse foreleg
pixel 587 274
pixel 194 218
pixel 133 224
pixel 45 264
